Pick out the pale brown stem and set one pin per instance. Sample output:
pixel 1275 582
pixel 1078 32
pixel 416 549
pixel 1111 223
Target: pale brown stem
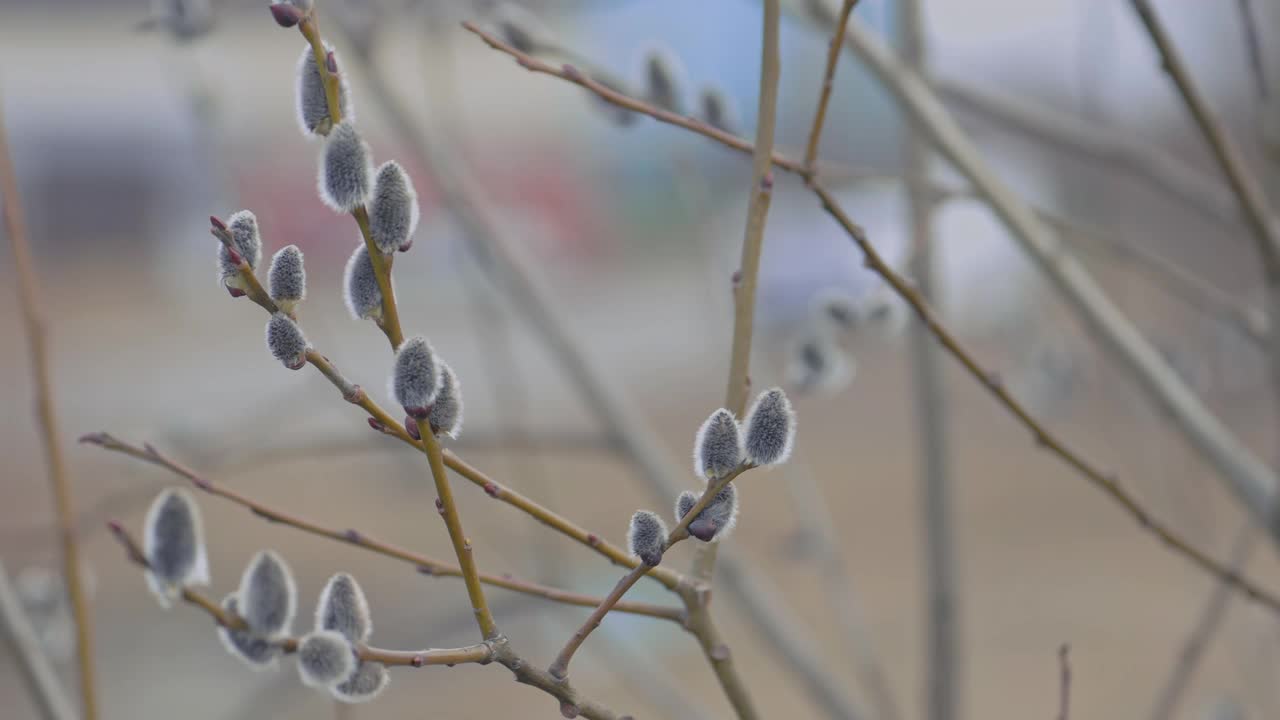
pixel 828 83
pixel 32 305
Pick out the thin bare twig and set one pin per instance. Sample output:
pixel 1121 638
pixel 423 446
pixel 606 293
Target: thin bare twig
pixel 1206 626
pixel 1253 45
pixel 1090 296
pixel 42 678
pixel 34 323
pixel 828 84
pixel 944 665
pixel 422 563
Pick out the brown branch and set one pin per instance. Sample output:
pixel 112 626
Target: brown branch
pixel 482 653
pixel 828 83
pixel 424 564
pixel 1043 437
pixel 33 321
pixel 560 667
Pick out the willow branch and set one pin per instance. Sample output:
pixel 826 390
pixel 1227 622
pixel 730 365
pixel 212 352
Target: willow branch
pixel 944 663
pixel 482 653
pixel 351 536
pixel 560 667
pixel 1064 682
pixel 828 83
pixel 33 321
pixel 1079 287
pixel 42 678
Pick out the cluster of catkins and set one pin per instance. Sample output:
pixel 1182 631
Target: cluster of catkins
pixel 266 602
pixel 662 74
pixel 722 447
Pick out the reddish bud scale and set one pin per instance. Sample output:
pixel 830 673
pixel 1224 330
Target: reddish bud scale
pixel 439 506
pixel 286 15
pixel 492 489
pixel 411 427
pixel 217 223
pixel 331 62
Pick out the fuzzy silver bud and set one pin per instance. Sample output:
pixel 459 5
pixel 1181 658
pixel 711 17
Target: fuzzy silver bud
pixel 255 651
pixel 325 659
pixel 717 447
pixel 663 80
pixel 286 341
pixel 816 363
pixel 717 519
pixel 415 378
pixel 647 537
pixel 313 105
pixel 243 227
pixel 393 209
pixel 835 309
pixel 268 597
pixel 717 111
pixel 287 278
pixel 368 681
pixel 770 428
pixel 346 169
pixel 360 288
pixel 446 410
pixel 173 543
pixel 343 608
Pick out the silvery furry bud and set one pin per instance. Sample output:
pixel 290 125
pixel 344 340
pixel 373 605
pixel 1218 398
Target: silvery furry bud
pixel 267 597
pixel 360 286
pixel 663 80
pixel 415 379
pixel 343 608
pixel 393 209
pixel 369 680
pixel 243 227
pixel 717 519
pixel 286 341
pixel 771 428
pixel 325 659
pixel 346 168
pixel 287 278
pixel 717 111
pixel 173 543
pixel 256 652
pixel 836 309
pixel 815 363
pixel 717 448
pixel 647 537
pixel 446 410
pixel 313 106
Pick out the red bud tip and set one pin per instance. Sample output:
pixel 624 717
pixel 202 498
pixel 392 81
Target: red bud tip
pixel 373 423
pixel 492 489
pixel 202 484
pixel 766 182
pixel 285 14
pixel 419 413
pixel 351 536
pixel 411 427
pixel 569 710
pixel 234 256
pixel 299 363
pixel 417 661
pixel 593 539
pixel 407 244
pixel 236 292
pixel 217 223
pixel 115 526
pixel 571 72
pixel 439 506
pixel 331 62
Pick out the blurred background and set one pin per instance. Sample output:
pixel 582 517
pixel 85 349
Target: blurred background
pixel 131 123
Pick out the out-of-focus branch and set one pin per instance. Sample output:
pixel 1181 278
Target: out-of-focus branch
pixel 33 321
pixel 1081 288
pixel 1197 642
pixel 351 536
pixel 944 664
pixel 1186 185
pixel 42 678
pixel 1064 682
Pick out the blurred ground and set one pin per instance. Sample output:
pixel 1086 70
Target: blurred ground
pixel 637 249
